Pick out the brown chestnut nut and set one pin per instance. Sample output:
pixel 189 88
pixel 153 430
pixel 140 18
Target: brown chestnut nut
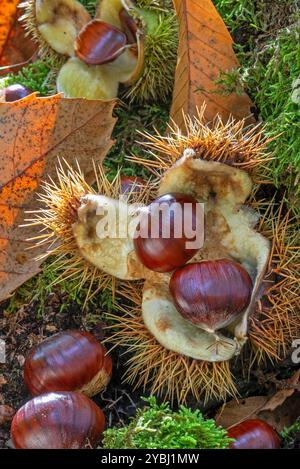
pixel 99 43
pixel 161 241
pixel 57 420
pixel 253 434
pixel 14 92
pixel 68 361
pixel 211 294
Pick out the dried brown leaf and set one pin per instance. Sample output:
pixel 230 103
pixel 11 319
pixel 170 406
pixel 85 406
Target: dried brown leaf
pixel 279 410
pixel 33 133
pixel 15 46
pixel 205 51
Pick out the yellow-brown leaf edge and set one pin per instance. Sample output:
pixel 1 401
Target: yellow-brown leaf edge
pixel 205 51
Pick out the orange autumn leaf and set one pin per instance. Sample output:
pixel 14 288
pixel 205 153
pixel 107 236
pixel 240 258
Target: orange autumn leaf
pixel 205 51
pixel 33 132
pixel 15 47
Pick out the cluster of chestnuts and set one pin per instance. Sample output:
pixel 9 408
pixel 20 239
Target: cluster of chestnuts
pixel 210 293
pixel 61 373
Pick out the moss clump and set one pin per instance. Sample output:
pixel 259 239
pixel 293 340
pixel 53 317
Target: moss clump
pixel 158 427
pixel 267 44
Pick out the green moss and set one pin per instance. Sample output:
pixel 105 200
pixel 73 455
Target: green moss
pixel 39 76
pixel 35 293
pixel 237 12
pixel 268 50
pixel 158 427
pixel 290 435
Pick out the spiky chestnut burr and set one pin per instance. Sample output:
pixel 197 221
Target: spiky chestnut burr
pixel 54 24
pixel 170 355
pixel 146 60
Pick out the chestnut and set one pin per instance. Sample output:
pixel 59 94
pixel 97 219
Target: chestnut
pixel 57 420
pixel 131 184
pixel 253 434
pixel 68 361
pixel 211 294
pixel 14 92
pixel 160 240
pixel 99 43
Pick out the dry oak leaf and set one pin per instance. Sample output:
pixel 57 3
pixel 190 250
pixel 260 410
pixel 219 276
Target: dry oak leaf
pixel 33 132
pixel 279 410
pixel 15 46
pixel 205 51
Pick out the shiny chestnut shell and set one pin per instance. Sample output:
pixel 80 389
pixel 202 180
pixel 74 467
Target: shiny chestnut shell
pixel 60 420
pixel 253 434
pixel 99 43
pixel 129 26
pixel 15 92
pixel 164 254
pixel 211 294
pixel 68 361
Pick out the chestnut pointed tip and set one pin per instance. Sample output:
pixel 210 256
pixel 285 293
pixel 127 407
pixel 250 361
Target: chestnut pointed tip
pixel 99 43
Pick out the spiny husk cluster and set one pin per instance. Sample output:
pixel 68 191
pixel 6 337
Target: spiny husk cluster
pixel 156 81
pixel 229 143
pixel 60 201
pixel 276 320
pixel 273 326
pixel 29 21
pixel 158 28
